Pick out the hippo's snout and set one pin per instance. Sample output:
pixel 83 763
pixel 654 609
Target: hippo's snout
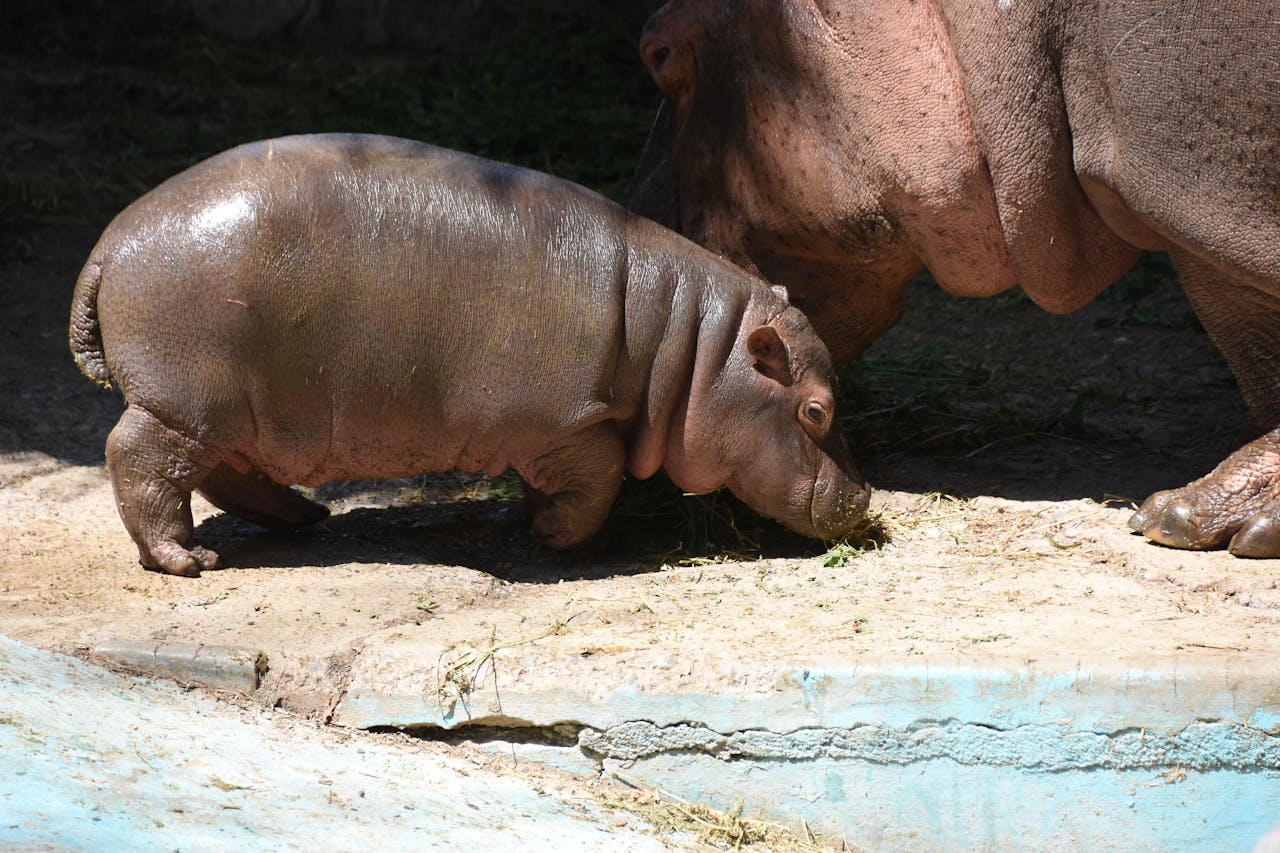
pixel 839 502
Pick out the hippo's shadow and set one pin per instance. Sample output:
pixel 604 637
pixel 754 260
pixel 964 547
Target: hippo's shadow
pixel 651 525
pixel 491 536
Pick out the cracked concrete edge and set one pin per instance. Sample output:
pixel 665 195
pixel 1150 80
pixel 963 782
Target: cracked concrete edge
pixel 960 724
pixel 1154 794
pixel 1045 748
pixel 396 685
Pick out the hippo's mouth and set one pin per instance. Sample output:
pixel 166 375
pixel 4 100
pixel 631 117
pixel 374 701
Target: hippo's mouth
pixel 835 516
pixel 813 509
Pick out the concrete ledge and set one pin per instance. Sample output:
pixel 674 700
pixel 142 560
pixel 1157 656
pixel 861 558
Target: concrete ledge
pixel 402 683
pixel 217 667
pixel 944 753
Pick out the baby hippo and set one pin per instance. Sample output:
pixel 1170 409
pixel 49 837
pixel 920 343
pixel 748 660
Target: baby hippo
pixel 320 308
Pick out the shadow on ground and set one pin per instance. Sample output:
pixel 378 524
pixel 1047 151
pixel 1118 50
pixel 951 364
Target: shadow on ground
pixel 652 527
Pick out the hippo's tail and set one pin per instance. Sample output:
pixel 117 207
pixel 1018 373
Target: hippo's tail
pixel 85 335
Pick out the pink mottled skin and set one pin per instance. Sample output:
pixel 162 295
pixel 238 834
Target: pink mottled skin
pixel 333 307
pixel 837 147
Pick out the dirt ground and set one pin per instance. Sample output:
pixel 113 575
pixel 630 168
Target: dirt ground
pixel 1015 548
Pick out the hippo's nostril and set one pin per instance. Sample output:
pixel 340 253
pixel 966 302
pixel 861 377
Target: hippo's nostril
pixel 655 55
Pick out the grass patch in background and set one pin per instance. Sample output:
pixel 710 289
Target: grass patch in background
pixel 923 401
pixel 712 527
pixel 1140 291
pixel 1153 272
pixel 102 105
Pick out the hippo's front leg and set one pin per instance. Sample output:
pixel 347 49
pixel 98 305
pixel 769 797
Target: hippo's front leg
pixel 570 489
pixel 1238 503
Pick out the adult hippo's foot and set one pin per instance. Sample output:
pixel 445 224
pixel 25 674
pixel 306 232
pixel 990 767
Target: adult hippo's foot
pixel 1238 503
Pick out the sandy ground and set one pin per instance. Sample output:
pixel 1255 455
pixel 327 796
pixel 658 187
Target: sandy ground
pixel 1013 549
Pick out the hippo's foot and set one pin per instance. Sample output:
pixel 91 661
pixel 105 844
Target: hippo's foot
pixel 235 486
pixel 568 491
pixel 176 560
pixel 563 520
pixel 1237 504
pixel 153 469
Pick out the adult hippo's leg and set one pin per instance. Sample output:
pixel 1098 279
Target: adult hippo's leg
pixel 248 493
pixel 153 470
pixel 1238 503
pixel 569 490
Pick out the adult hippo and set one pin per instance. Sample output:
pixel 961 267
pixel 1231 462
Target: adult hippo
pixel 315 308
pixel 837 146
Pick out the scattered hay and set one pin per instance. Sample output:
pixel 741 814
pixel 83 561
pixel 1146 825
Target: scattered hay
pixel 728 830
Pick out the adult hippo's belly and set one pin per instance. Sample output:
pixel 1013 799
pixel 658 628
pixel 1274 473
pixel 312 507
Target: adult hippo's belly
pixel 837 147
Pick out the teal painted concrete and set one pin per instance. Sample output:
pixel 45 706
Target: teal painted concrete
pixel 932 754
pixel 93 761
pixel 940 805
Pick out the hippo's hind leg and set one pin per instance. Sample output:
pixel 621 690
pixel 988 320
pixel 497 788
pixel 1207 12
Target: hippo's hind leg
pixel 1238 503
pixel 153 470
pixel 570 489
pixel 248 493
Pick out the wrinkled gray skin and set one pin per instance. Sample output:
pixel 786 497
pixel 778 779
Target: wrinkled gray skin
pixel 838 146
pixel 338 307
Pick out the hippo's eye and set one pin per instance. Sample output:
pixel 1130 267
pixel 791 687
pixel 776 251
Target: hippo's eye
pixel 814 413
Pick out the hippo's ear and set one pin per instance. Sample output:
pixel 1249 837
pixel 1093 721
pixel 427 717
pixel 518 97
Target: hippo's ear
pixel 766 346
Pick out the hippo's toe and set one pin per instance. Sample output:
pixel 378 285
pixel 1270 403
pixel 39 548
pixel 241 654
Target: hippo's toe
pixel 1172 520
pixel 1260 536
